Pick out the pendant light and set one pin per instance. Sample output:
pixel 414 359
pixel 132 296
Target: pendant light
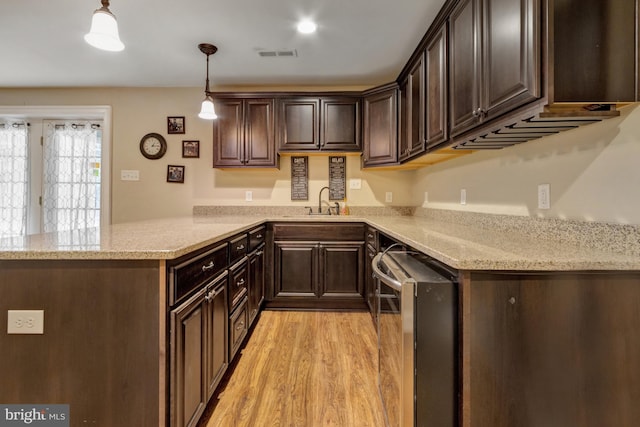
pixel 104 30
pixel 207 111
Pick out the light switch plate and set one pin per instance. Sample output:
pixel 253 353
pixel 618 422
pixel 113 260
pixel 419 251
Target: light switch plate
pixel 388 197
pixel 129 175
pixel 355 184
pixel 544 196
pixel 25 322
pixel 463 196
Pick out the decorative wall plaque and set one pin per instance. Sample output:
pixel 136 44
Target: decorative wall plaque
pixel 337 177
pixel 299 178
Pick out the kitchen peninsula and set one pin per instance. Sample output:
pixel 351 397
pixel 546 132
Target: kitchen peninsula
pixel 551 317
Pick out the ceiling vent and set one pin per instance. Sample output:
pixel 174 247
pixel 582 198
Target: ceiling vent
pixel 276 53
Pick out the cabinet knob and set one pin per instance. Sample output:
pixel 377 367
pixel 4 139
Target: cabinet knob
pixel 512 300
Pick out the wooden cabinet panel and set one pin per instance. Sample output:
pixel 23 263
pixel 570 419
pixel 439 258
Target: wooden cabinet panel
pixel 324 123
pixel 244 133
pixel 436 96
pixel 340 124
pixel 412 112
pixel 238 282
pixel 296 268
pixel 256 283
pixel 317 266
pixel 260 143
pixel 189 395
pixel 380 128
pixel 216 343
pixel 553 350
pixel 299 124
pixel 228 133
pixel 341 269
pixel 464 66
pixel 510 55
pixel 494 59
pixel 239 326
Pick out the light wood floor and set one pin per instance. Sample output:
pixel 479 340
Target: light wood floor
pixel 303 369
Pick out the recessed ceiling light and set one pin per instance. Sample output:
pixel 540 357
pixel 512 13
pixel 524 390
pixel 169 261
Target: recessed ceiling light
pixel 307 27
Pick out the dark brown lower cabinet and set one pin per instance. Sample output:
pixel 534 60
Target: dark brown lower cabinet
pixel 198 351
pixel 256 283
pixel 317 266
pixel 553 350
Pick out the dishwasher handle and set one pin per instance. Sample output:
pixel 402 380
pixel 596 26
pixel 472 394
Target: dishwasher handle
pixel 387 280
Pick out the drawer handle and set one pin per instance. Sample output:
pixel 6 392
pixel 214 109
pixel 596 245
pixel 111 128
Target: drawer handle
pixel 240 326
pixel 239 248
pixel 259 236
pixel 208 266
pixel 240 282
pixel 370 235
pixel 259 253
pixel 212 294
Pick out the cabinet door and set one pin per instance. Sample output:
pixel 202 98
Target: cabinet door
pixel 216 343
pixel 340 124
pixel 413 113
pixel 296 269
pixel 239 326
pixel 228 133
pixel 380 131
pixel 188 394
pixel 436 89
pixel 370 283
pixel 464 66
pixel 299 124
pixel 510 55
pixel 341 269
pixel 256 283
pixel 260 143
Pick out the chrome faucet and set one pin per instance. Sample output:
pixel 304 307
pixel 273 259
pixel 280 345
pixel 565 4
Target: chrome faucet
pixel 320 202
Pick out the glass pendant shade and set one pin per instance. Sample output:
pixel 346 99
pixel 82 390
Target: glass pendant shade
pixel 104 31
pixel 207 111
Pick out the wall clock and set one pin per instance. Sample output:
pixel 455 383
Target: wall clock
pixel 153 146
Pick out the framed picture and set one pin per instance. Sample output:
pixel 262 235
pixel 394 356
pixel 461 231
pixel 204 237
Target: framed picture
pixel 175 124
pixel 175 173
pixel 190 148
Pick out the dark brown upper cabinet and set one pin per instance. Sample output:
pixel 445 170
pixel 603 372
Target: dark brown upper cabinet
pixel 244 133
pixel 436 96
pixel 494 59
pixel 319 124
pixel 380 132
pixel 412 111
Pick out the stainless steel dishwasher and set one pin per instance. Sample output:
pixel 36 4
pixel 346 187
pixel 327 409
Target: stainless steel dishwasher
pixel 417 339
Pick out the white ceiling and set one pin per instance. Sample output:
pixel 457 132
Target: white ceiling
pixel 358 42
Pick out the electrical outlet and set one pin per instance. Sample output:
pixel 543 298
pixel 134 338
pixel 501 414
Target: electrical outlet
pixel 129 175
pixel 388 197
pixel 355 184
pixel 463 196
pixel 248 196
pixel 544 196
pixel 25 322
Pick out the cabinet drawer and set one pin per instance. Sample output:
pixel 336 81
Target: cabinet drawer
pixel 238 248
pixel 317 231
pixel 256 238
pixel 238 324
pixel 238 280
pixel 194 272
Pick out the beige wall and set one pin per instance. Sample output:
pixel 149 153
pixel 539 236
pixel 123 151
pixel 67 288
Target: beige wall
pixel 138 111
pixel 593 171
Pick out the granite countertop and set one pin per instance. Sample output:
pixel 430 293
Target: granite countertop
pixel 460 246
